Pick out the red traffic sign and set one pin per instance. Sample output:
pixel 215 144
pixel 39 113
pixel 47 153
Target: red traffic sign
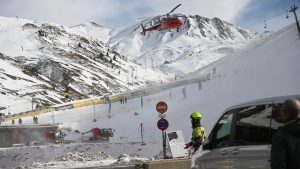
pixel 161 107
pixel 162 124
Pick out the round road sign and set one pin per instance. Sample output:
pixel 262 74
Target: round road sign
pixel 161 107
pixel 162 124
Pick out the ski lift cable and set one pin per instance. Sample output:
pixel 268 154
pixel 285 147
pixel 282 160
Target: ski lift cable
pixel 278 14
pixel 281 14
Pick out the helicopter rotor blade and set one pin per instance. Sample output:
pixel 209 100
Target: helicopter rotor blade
pixel 143 17
pixel 150 17
pixel 173 9
pixel 181 16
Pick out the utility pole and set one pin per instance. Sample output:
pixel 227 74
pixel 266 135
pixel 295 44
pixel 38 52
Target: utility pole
pixel 142 134
pixel 132 70
pixel 145 64
pixel 95 120
pixel 32 101
pixel 109 108
pixel 136 73
pixel 94 104
pixel 127 81
pixel 53 119
pixel 293 9
pixel 152 63
pixel 266 26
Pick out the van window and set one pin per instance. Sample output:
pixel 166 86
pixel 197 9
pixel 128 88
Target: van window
pixel 252 125
pixel 222 131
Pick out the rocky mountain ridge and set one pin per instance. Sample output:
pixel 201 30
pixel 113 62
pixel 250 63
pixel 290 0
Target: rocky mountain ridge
pixel 48 63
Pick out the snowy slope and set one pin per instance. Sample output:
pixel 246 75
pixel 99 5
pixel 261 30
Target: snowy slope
pixel 41 60
pixel 197 43
pixel 266 68
pixel 93 30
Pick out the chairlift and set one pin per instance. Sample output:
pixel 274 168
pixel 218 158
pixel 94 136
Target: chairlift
pixel 265 24
pixel 287 14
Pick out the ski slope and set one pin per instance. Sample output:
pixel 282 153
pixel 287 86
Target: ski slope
pixel 266 68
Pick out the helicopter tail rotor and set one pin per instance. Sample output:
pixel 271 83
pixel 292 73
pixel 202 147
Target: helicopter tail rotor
pixel 144 30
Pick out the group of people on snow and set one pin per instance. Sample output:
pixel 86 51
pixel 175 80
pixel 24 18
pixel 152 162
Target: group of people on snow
pixel 123 100
pixel 35 119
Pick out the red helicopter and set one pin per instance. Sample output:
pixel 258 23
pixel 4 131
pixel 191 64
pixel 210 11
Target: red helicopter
pixel 162 23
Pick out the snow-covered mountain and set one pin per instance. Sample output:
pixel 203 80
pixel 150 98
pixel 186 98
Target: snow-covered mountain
pixel 266 68
pixel 93 30
pixel 197 43
pixel 42 60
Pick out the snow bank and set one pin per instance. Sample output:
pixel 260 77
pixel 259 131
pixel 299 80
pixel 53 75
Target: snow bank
pixel 86 159
pixel 84 156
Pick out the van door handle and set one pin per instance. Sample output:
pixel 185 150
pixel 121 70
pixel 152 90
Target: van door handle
pixel 224 152
pixel 235 151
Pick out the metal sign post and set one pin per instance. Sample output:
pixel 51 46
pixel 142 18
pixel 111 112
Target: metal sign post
pixel 164 142
pixel 142 135
pixel 162 123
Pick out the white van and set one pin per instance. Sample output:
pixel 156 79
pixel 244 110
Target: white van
pixel 241 138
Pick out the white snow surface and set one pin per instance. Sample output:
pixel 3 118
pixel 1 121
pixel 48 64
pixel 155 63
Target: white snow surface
pixel 266 68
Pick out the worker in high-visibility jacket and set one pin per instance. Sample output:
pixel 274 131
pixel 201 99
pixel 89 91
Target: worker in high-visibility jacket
pixel 198 131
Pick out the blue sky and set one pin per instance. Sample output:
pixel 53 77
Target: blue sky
pixel 273 11
pixel 123 13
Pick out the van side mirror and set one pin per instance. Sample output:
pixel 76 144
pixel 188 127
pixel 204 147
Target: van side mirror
pixel 207 143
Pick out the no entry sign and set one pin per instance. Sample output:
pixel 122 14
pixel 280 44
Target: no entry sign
pixel 162 124
pixel 161 107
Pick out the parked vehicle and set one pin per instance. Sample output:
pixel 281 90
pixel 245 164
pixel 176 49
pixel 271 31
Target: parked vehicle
pixel 241 138
pixel 21 135
pixel 98 135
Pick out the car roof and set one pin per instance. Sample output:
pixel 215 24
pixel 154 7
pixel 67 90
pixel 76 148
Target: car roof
pixel 269 100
